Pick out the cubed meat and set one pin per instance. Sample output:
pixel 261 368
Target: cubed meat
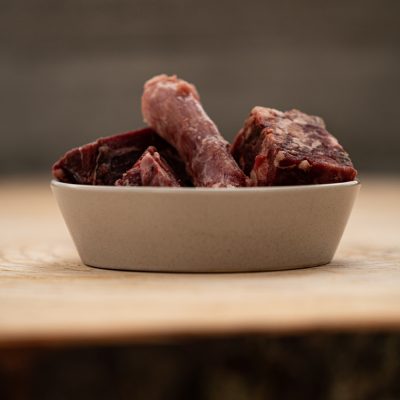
pixel 290 148
pixel 150 170
pixel 105 160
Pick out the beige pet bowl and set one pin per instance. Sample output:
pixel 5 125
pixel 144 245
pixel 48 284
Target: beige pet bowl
pixel 204 230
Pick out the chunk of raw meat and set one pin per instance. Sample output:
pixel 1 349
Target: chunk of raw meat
pixel 150 170
pixel 290 148
pixel 172 107
pixel 105 160
pixel 77 165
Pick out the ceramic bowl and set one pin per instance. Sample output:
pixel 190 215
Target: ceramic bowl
pixel 205 230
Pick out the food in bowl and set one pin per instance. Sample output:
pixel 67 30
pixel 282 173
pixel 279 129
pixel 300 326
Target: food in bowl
pixel 104 161
pixel 290 148
pixel 183 147
pixel 150 170
pixel 278 198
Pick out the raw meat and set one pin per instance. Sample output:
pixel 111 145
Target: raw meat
pixel 290 148
pixel 172 107
pixel 150 170
pixel 105 160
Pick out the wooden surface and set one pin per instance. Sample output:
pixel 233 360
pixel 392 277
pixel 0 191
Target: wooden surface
pixel 47 295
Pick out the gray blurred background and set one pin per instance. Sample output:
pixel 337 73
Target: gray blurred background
pixel 72 71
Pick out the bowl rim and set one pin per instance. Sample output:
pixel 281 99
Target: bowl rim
pixel 154 189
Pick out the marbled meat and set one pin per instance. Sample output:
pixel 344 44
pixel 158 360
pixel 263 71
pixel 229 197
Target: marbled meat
pixel 172 107
pixel 105 160
pixel 150 170
pixel 290 148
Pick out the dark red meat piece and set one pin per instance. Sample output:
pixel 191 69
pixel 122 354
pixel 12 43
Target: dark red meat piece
pixel 150 170
pixel 290 148
pixel 77 165
pixel 105 160
pixel 172 107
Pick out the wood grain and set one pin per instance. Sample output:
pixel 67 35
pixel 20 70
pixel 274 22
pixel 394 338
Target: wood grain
pixel 47 295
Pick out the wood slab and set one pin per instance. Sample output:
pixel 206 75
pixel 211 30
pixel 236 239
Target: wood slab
pixel 48 296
